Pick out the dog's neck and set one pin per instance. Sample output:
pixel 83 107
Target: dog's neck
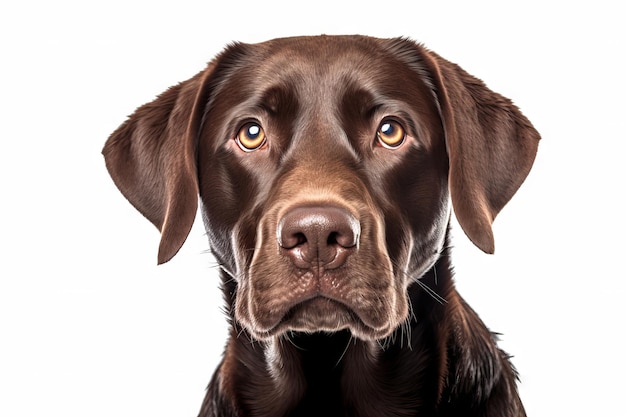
pixel 318 374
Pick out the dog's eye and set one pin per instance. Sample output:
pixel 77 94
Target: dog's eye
pixel 390 134
pixel 250 137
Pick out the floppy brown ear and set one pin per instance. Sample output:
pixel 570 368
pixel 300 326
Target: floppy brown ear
pixel 151 158
pixel 491 147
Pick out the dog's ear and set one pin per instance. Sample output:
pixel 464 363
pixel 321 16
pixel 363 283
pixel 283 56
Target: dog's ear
pixel 491 146
pixel 151 158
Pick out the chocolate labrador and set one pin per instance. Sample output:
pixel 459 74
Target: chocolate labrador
pixel 326 169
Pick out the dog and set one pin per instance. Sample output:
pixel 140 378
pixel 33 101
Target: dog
pixel 327 169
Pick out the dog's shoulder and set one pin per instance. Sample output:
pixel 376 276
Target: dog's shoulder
pixel 480 375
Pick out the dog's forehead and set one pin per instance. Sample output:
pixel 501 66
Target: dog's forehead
pixel 319 69
pixel 321 50
pixel 323 60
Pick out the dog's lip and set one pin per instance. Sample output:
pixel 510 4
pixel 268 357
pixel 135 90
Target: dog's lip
pixel 319 302
pixel 327 315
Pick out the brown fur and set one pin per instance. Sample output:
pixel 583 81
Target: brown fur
pixel 334 249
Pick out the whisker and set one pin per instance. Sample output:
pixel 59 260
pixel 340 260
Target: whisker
pixel 344 351
pixel 384 343
pixel 289 337
pixel 406 326
pixel 425 287
pixel 432 292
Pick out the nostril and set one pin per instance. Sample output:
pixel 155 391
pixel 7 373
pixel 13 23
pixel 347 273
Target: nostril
pixel 290 241
pixel 345 240
pixel 332 239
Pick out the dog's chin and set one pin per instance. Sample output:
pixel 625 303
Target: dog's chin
pixel 323 315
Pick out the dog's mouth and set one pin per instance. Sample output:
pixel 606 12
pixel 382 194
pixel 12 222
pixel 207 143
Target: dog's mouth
pixel 323 314
pixel 318 314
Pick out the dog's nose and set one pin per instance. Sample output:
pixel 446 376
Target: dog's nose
pixel 321 236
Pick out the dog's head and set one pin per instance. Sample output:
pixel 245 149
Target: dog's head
pixel 325 167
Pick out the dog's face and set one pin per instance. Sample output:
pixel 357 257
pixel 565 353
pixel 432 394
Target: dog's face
pixel 324 170
pixel 324 167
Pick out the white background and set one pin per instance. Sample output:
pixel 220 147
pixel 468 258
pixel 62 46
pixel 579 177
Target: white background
pixel 90 326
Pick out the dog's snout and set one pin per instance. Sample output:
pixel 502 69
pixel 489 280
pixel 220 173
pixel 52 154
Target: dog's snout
pixel 322 235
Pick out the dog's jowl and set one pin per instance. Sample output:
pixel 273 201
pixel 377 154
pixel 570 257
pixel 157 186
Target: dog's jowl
pixel 327 169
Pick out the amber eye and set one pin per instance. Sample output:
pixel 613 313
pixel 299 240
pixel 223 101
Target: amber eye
pixel 250 137
pixel 390 134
